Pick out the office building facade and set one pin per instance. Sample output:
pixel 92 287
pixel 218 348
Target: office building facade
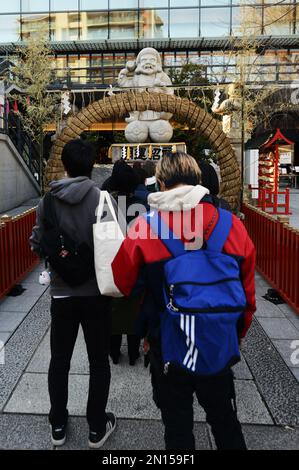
pixel 93 39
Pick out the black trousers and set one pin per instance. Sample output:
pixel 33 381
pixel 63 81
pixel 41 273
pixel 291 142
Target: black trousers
pixel 133 346
pixel 173 394
pixel 93 313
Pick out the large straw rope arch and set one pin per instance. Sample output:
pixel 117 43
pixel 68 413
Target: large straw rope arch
pixel 183 110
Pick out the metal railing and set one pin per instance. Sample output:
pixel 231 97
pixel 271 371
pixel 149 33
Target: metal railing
pixel 16 257
pixel 11 125
pixel 277 252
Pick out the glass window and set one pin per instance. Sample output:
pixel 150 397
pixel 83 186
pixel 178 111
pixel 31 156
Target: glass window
pixel 123 24
pixel 119 59
pixel 268 58
pixel 35 5
pixel 96 60
pixel 193 57
pixel 210 3
pixel 61 66
pixel 130 56
pixel 153 3
pixel 115 4
pixel 93 5
pixel 64 5
pixel 169 59
pixel 73 61
pixel 275 1
pixel 9 28
pixel 64 27
pixel 108 59
pixel 110 75
pixel 153 24
pixel 61 62
pixel 215 22
pixel 94 25
pixel 184 3
pixel 278 20
pixel 95 76
pixel 13 6
pixel 33 25
pixel 247 19
pixel 84 60
pixel 180 58
pixel 184 23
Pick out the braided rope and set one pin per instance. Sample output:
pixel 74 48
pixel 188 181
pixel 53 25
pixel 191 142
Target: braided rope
pixel 120 104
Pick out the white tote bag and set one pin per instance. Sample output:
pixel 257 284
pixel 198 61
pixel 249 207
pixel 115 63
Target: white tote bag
pixel 108 238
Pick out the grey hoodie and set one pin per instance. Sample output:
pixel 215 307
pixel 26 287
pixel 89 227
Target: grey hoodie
pixel 76 201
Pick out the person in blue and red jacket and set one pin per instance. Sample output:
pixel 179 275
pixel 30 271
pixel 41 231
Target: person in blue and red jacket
pixel 178 176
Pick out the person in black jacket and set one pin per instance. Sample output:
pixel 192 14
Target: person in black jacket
pixel 123 184
pixel 141 192
pixel 209 180
pixel 75 200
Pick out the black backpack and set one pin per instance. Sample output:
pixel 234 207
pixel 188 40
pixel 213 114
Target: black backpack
pixel 73 262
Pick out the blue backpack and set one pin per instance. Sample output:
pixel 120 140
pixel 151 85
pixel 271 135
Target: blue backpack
pixel 204 299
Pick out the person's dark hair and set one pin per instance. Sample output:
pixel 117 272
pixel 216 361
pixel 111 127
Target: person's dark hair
pixel 123 179
pixel 141 175
pixel 178 168
pixel 209 178
pixel 78 158
pixel 150 168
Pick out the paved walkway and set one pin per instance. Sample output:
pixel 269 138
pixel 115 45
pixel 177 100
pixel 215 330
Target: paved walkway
pixel 294 207
pixel 266 383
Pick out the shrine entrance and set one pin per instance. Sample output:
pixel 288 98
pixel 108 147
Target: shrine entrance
pixel 183 110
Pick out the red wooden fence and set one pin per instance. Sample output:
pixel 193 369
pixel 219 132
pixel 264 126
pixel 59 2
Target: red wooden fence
pixel 268 199
pixel 16 257
pixel 277 250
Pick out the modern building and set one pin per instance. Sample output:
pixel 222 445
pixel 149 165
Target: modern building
pixel 93 39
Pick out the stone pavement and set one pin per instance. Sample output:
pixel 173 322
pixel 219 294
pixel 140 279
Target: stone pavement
pixel 294 207
pixel 266 383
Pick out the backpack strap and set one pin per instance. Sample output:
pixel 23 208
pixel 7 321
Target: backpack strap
pixel 175 245
pixel 172 242
pixel 220 233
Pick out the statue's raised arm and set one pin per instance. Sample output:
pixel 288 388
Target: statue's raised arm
pixel 126 75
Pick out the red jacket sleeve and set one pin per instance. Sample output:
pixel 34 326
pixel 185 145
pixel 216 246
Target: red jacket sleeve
pixel 139 247
pixel 248 267
pixel 239 243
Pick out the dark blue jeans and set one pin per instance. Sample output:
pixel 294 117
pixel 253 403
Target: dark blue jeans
pixel 93 314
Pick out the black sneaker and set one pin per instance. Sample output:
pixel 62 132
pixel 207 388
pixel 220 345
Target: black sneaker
pixel 58 435
pixel 115 358
pixel 96 439
pixel 133 359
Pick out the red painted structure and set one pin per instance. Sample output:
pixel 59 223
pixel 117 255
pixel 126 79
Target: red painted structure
pixel 16 257
pixel 277 252
pixel 268 199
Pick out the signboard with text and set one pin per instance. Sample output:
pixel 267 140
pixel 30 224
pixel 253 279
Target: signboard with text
pixel 143 152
